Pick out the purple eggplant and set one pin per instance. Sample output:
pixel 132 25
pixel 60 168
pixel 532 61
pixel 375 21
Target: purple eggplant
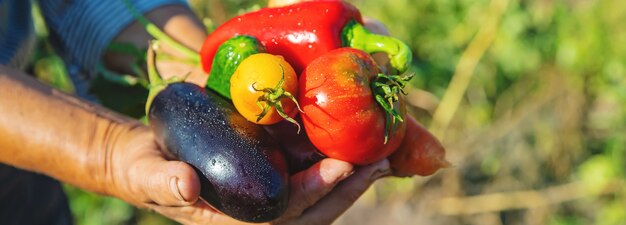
pixel 242 170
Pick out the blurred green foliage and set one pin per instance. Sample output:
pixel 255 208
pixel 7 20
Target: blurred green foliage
pixel 544 108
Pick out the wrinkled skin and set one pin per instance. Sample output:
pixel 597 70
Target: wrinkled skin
pixel 117 156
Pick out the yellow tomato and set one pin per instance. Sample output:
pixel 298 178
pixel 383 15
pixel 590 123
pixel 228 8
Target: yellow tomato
pixel 263 87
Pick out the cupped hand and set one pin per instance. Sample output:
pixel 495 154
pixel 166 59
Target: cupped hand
pixel 137 171
pixel 144 176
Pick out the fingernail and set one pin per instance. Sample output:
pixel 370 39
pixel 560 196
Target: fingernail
pixel 333 171
pixel 175 190
pixel 333 177
pixel 344 176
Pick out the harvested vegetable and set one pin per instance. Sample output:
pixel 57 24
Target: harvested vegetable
pixel 263 88
pixel 419 154
pixel 228 57
pixel 304 31
pixel 243 173
pixel 350 110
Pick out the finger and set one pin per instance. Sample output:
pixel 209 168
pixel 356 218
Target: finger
pixel 307 187
pixel 167 183
pixel 198 213
pixel 344 194
pixel 310 185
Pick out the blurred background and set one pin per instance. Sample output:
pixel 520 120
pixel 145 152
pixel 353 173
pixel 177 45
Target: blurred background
pixel 528 96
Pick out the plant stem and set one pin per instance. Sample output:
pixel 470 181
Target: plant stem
pixel 122 79
pixel 356 36
pixel 156 83
pixel 386 89
pixel 158 34
pixel 272 98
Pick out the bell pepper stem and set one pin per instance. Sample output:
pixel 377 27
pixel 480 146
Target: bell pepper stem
pixel 356 36
pixel 158 34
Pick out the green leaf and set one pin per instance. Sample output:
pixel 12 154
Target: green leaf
pixel 51 70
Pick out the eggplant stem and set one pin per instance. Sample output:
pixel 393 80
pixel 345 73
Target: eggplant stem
pixel 153 74
pixel 157 84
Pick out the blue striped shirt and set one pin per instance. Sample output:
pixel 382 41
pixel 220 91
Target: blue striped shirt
pixel 80 30
pixel 15 32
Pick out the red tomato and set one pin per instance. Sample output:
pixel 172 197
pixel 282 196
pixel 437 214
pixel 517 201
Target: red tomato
pixel 341 116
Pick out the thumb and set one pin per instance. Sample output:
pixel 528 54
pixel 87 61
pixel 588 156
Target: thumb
pixel 166 183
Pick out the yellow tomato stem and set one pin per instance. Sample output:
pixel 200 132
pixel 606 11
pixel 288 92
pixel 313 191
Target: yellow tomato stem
pixel 272 99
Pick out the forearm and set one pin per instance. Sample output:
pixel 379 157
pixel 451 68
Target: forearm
pixel 46 131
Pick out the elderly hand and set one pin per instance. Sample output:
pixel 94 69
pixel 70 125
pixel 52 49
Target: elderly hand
pixel 140 174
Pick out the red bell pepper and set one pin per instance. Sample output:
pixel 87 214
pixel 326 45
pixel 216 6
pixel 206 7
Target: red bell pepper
pixel 302 32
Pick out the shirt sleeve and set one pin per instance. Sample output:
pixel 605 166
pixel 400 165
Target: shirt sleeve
pixel 82 29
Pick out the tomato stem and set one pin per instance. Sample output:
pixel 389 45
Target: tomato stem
pixel 272 97
pixel 386 89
